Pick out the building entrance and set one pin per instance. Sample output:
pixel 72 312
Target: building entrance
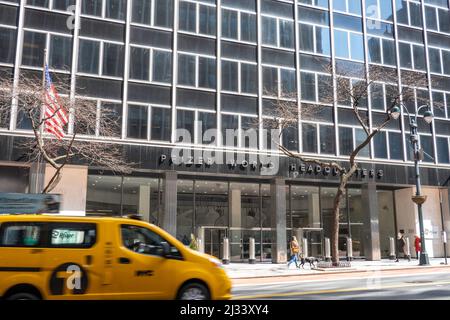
pixel 212 240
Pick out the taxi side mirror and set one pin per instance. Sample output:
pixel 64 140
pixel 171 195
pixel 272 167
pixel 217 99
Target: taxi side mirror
pixel 165 249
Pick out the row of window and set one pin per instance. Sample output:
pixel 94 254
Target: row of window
pixel 201 18
pixel 148 122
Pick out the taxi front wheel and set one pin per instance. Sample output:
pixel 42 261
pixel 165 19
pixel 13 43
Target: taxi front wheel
pixel 194 291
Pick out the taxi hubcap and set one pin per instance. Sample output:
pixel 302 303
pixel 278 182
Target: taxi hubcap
pixel 193 294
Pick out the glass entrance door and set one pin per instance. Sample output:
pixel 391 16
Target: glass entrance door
pixel 213 240
pixel 314 237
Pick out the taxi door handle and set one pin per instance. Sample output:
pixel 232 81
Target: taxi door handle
pixel 36 251
pixel 123 260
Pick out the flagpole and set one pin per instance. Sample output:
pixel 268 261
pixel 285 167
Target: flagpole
pixel 41 117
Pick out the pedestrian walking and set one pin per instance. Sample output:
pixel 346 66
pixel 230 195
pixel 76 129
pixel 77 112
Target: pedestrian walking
pixel 417 245
pixel 401 246
pixel 295 250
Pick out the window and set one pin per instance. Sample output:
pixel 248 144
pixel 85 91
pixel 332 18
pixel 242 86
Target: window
pixel 140 62
pixel 159 117
pixel 8 39
pixel 315 39
pixel 20 234
pixel 230 127
pixel 290 138
pixel 90 53
pixel 137 122
pixel 348 6
pixel 110 9
pixel 239 77
pixel 309 137
pixel 111 116
pixel 206 73
pixel 349 45
pixel 60 50
pixel 162 66
pixel 161 124
pixel 327 142
pixel 92 7
pixel 144 241
pixel 89 56
pixel 379 9
pixel 439 60
pixel 409 13
pixel 279 82
pixel 380 145
pixel 196 71
pixel 60 55
pixel 278 32
pixel 113 60
pixel 345 141
pixel 316 87
pixel 437 19
pixel 33 48
pixel 395 146
pixel 443 150
pixel 61 5
pixel 230 24
pixel 197 18
pixel 72 235
pixel 156 13
pixel 381 51
pixel 412 56
pixel 115 9
pixel 315 3
pixel 438 104
pixel 426 142
pixel 207 121
pixel 185 121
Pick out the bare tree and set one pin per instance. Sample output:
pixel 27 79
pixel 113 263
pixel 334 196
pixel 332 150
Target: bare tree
pixel 352 88
pixel 74 147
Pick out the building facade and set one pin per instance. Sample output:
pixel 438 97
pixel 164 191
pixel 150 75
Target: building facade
pixel 161 65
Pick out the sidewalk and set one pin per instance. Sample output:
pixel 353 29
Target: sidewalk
pixel 263 270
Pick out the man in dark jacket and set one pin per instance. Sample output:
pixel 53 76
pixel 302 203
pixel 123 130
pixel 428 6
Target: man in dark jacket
pixel 401 246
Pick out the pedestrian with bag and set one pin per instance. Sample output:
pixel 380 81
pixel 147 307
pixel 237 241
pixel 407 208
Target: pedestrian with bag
pixel 295 250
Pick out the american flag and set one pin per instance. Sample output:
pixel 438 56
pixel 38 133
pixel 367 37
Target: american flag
pixel 55 113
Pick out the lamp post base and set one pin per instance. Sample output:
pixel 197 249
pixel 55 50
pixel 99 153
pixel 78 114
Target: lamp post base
pixel 424 260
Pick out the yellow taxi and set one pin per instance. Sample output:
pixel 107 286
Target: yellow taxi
pixel 59 257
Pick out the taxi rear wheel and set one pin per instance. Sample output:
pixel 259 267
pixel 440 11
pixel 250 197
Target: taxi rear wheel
pixel 22 296
pixel 194 291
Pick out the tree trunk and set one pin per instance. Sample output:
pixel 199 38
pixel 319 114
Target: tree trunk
pixel 335 227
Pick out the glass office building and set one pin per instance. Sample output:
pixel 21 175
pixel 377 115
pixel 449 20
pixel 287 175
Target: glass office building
pixel 161 65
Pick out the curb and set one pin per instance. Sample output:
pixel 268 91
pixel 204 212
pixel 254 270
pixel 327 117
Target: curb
pixel 323 272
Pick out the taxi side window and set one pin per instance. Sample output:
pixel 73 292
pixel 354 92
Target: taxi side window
pixel 20 235
pixel 145 241
pixel 72 235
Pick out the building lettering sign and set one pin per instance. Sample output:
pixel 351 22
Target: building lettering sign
pixel 190 161
pixel 297 170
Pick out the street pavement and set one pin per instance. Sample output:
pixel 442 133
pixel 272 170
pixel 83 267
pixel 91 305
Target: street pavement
pixel 262 270
pixel 409 284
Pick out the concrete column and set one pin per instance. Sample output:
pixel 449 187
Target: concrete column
pixel 72 187
pixel 169 219
pixel 235 207
pixel 371 229
pixel 234 202
pixel 144 202
pixel 37 177
pixel 314 210
pixel 278 220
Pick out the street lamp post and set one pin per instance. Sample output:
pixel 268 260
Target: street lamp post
pixel 418 199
